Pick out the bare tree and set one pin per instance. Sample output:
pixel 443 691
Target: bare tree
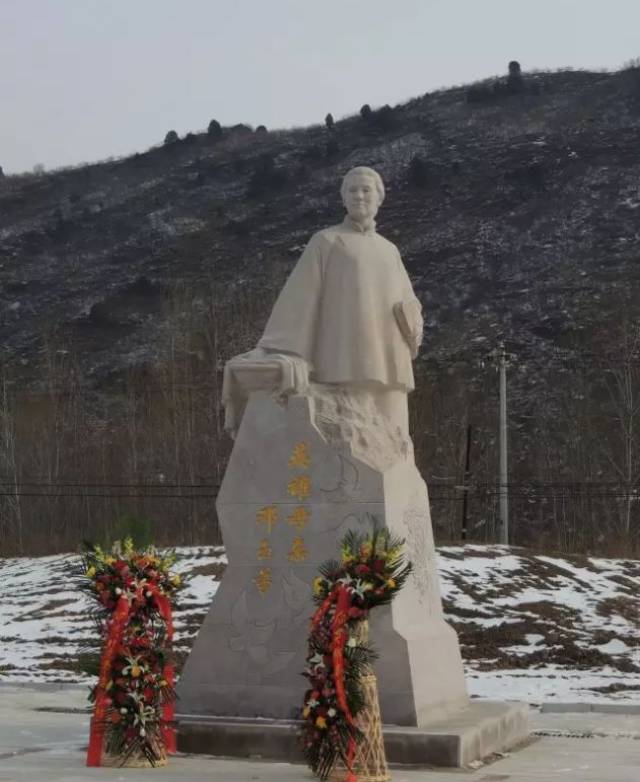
pixel 620 445
pixel 11 527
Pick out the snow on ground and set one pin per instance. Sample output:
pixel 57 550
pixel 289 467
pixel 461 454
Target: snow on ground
pixel 542 628
pixel 45 625
pixel 531 627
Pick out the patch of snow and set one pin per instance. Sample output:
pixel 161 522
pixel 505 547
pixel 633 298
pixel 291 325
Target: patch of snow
pixel 551 683
pixel 614 646
pixel 45 621
pixel 534 638
pixel 517 604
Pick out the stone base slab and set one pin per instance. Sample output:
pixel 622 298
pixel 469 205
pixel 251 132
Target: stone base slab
pixel 471 734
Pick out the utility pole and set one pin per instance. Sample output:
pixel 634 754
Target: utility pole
pixel 465 486
pixel 501 359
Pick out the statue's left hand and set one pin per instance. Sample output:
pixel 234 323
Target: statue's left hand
pixel 408 315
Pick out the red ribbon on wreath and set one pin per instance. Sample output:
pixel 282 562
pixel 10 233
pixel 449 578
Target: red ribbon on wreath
pixel 324 608
pixel 340 632
pixel 117 624
pixel 168 709
pixel 339 635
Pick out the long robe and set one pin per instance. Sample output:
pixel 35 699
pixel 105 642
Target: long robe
pixel 336 310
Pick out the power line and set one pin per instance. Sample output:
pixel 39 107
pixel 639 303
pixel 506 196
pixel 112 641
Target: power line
pixel 113 485
pixel 108 496
pixel 487 494
pixel 610 360
pixel 533 482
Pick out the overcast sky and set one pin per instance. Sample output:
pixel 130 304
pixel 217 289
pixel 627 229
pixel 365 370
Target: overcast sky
pixel 82 80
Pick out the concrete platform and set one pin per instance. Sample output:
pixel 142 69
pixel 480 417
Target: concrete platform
pixel 50 745
pixel 469 735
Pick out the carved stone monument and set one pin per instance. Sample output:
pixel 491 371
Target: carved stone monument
pixel 319 412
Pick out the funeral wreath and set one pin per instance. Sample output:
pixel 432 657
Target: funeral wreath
pixel 134 696
pixel 371 571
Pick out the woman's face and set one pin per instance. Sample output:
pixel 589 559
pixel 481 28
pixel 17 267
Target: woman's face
pixel 360 197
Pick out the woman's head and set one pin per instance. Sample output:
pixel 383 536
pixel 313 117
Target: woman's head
pixel 362 192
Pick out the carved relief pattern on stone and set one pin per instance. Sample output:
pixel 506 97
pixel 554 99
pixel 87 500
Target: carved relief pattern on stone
pixel 247 633
pixel 347 477
pixel 415 525
pixel 345 416
pixel 297 594
pixel 254 640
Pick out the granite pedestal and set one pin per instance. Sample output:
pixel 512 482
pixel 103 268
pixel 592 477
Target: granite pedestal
pixel 287 498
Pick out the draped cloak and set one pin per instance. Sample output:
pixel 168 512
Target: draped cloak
pixel 336 310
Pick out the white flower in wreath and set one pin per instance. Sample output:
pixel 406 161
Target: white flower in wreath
pixel 312 703
pixel 360 587
pixel 345 581
pixel 144 715
pixel 316 661
pixel 134 667
pixel 331 712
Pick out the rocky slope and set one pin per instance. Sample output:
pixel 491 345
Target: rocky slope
pixel 522 223
pixel 517 216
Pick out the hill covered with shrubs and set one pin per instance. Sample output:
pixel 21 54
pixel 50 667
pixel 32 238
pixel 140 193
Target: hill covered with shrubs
pixel 125 285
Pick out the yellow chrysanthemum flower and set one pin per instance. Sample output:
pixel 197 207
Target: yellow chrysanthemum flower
pixel 318 584
pixel 321 723
pixel 91 571
pixel 306 712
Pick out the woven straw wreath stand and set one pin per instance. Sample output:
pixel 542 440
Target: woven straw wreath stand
pixel 134 760
pixel 370 764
